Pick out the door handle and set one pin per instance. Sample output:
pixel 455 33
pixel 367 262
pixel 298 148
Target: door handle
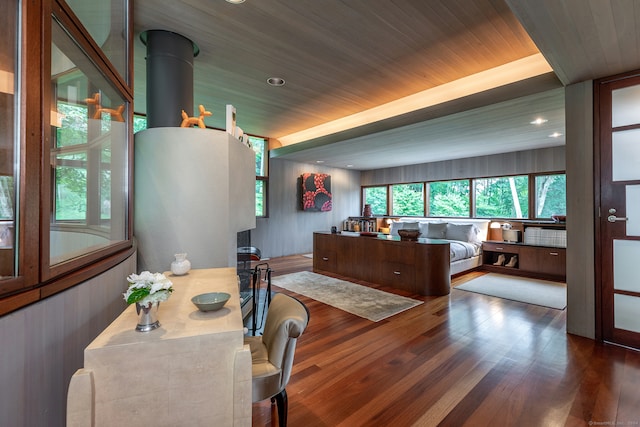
pixel 613 218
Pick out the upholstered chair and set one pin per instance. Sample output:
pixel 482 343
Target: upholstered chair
pixel 272 353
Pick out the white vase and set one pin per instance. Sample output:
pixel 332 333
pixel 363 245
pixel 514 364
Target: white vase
pixel 181 265
pixel 147 317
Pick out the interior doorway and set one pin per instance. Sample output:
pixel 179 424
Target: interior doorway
pixel 617 165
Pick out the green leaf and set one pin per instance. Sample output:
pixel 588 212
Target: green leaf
pixel 137 295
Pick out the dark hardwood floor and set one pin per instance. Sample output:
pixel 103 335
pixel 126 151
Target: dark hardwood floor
pixel 460 360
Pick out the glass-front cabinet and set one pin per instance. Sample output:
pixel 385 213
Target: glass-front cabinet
pixel 88 154
pixel 65 143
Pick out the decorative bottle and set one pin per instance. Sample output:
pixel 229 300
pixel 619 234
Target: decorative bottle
pixel 181 265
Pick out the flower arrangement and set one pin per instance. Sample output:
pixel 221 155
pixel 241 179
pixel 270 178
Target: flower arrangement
pixel 146 288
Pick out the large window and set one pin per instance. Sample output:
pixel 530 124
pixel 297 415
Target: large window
pixel 260 147
pixel 377 198
pixel 503 197
pixel 449 198
pixel 551 195
pixel 532 196
pixel 407 199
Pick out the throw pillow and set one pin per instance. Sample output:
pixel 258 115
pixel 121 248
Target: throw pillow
pixel 424 228
pixel 397 225
pixel 437 230
pixel 411 225
pixel 394 227
pixel 462 232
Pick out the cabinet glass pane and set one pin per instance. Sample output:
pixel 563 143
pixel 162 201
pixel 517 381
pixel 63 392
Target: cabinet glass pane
pixel 105 20
pixel 625 315
pixel 8 137
pixel 625 153
pixel 625 106
pixel 626 254
pixel 88 155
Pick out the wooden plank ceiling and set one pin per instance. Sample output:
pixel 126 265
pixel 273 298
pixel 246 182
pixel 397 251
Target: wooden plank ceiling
pixel 342 57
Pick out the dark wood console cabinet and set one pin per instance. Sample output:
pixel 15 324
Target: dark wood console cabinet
pixel 543 262
pixel 419 267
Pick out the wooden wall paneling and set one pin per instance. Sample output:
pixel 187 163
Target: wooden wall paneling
pixel 288 230
pixel 43 345
pixel 531 161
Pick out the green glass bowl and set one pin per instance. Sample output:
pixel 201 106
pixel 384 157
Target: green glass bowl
pixel 211 301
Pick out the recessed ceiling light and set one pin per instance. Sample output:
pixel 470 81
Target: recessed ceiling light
pixel 555 135
pixel 275 81
pixel 539 121
pixel 319 161
pixel 349 166
pixel 235 1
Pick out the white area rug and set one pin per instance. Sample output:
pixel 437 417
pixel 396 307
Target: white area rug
pixel 372 304
pixel 308 255
pixel 531 291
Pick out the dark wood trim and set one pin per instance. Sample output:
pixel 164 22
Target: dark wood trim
pixel 32 114
pixel 72 265
pixel 597 200
pixel 25 298
pixel 14 302
pixel 86 272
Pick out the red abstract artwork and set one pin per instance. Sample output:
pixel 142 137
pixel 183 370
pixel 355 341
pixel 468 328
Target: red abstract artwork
pixel 316 192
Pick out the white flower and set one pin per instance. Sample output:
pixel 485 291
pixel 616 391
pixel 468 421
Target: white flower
pixel 146 287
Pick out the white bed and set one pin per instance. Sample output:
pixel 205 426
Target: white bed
pixel 465 236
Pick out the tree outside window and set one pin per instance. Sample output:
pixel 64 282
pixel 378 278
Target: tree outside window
pixel 551 195
pixel 449 198
pixel 502 197
pixel 377 198
pixel 407 199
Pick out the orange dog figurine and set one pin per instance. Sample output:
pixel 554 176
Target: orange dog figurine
pixel 190 121
pixel 116 114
